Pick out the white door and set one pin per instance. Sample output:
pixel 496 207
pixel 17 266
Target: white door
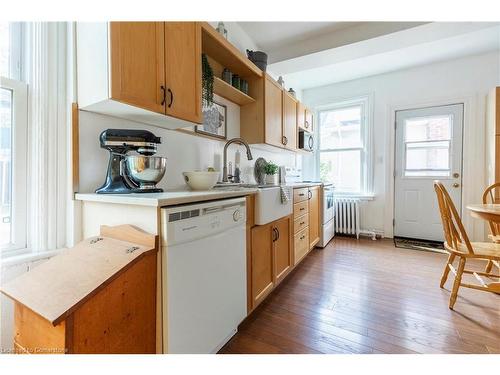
pixel 428 148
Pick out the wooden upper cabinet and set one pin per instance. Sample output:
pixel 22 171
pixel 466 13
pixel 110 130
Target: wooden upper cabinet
pixel 273 112
pixel 301 116
pixel 282 248
pixel 138 64
pixel 262 262
pixel 289 121
pixel 314 215
pixel 183 70
pixel 308 122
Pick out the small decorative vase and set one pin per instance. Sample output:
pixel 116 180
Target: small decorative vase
pixel 221 29
pixel 281 81
pixel 272 179
pixel 292 92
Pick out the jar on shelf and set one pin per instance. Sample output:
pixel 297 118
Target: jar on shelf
pixel 236 81
pixel 227 76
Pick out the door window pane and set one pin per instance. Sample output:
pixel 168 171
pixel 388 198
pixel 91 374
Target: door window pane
pixel 5 165
pixel 341 128
pixel 342 168
pixel 428 129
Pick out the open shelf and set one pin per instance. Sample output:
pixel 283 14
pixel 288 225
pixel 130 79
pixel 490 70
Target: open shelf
pixel 214 45
pixel 222 88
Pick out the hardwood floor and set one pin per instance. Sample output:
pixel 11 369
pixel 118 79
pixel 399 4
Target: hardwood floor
pixel 370 297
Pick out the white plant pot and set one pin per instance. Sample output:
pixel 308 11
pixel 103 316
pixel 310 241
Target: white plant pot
pixel 272 179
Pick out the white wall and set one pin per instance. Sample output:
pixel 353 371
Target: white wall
pixel 465 80
pixel 184 152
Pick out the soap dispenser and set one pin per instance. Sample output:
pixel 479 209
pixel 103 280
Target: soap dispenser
pixel 237 170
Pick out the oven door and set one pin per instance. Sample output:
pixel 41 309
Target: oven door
pixel 328 209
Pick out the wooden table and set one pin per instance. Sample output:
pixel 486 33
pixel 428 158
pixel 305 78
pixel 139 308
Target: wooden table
pixel 489 212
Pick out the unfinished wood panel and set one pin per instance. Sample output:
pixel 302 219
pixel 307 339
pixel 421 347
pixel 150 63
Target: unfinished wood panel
pixel 326 307
pixel 138 64
pixel 252 121
pixel 262 263
pixel 314 215
pixel 183 70
pixel 497 158
pixel 497 114
pixel 273 113
pixel 282 248
pixel 36 335
pixel 300 209
pixel 121 318
pixel 224 89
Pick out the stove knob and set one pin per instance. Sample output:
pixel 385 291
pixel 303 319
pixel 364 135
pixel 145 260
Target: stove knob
pixel 236 215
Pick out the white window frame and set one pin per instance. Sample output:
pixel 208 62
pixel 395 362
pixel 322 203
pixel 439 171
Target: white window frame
pixel 19 167
pixel 365 102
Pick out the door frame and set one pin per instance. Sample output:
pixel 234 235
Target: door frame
pixel 461 171
pixel 475 135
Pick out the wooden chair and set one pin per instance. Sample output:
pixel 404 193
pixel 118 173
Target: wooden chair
pixel 492 195
pixel 458 246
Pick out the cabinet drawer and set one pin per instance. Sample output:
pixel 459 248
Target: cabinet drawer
pixel 301 245
pixel 300 223
pixel 300 209
pixel 300 195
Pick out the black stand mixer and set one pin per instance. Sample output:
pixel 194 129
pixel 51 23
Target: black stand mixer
pixel 136 173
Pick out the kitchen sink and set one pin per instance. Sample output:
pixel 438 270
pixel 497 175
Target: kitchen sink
pixel 268 205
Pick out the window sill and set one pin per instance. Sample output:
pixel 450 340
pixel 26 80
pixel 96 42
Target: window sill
pixel 27 257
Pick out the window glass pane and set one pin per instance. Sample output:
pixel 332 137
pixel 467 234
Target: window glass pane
pixel 340 128
pixel 427 159
pixel 428 129
pixel 5 165
pixel 4 49
pixel 343 169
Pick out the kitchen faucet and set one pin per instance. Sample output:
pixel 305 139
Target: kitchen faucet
pixel 239 141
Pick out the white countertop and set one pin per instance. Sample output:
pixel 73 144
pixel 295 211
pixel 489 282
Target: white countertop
pixel 303 184
pixel 168 198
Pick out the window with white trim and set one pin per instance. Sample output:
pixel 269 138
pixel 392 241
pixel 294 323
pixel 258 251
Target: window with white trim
pixel 344 146
pixel 13 139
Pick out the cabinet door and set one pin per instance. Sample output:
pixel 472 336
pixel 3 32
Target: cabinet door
pixel 301 115
pixel 183 70
pixel 308 123
pixel 273 108
pixel 138 64
pixel 282 248
pixel 262 263
pixel 314 216
pixel 289 121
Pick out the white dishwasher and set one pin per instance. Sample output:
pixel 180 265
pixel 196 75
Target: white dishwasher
pixel 204 274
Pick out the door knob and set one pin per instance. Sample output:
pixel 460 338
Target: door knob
pixel 456 175
pixel 455 185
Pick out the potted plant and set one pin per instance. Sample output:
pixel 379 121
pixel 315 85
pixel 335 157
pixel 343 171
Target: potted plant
pixel 271 171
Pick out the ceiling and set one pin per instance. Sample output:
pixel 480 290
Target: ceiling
pixel 286 40
pixel 424 44
pixel 273 35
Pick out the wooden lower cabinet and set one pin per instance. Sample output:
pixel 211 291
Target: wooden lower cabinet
pixel 282 246
pixel 301 245
pixel 314 215
pixel 271 257
pixel 262 262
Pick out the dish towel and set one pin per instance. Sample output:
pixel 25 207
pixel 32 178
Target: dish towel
pixel 284 195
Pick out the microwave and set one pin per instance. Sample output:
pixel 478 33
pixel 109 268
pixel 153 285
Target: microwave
pixel 306 141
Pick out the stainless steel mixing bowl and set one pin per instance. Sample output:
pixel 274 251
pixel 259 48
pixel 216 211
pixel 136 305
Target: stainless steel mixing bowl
pixel 146 170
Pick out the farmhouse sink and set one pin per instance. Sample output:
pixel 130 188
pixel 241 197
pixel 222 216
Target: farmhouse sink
pixel 268 206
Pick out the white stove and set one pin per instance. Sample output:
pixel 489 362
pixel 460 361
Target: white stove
pixel 328 216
